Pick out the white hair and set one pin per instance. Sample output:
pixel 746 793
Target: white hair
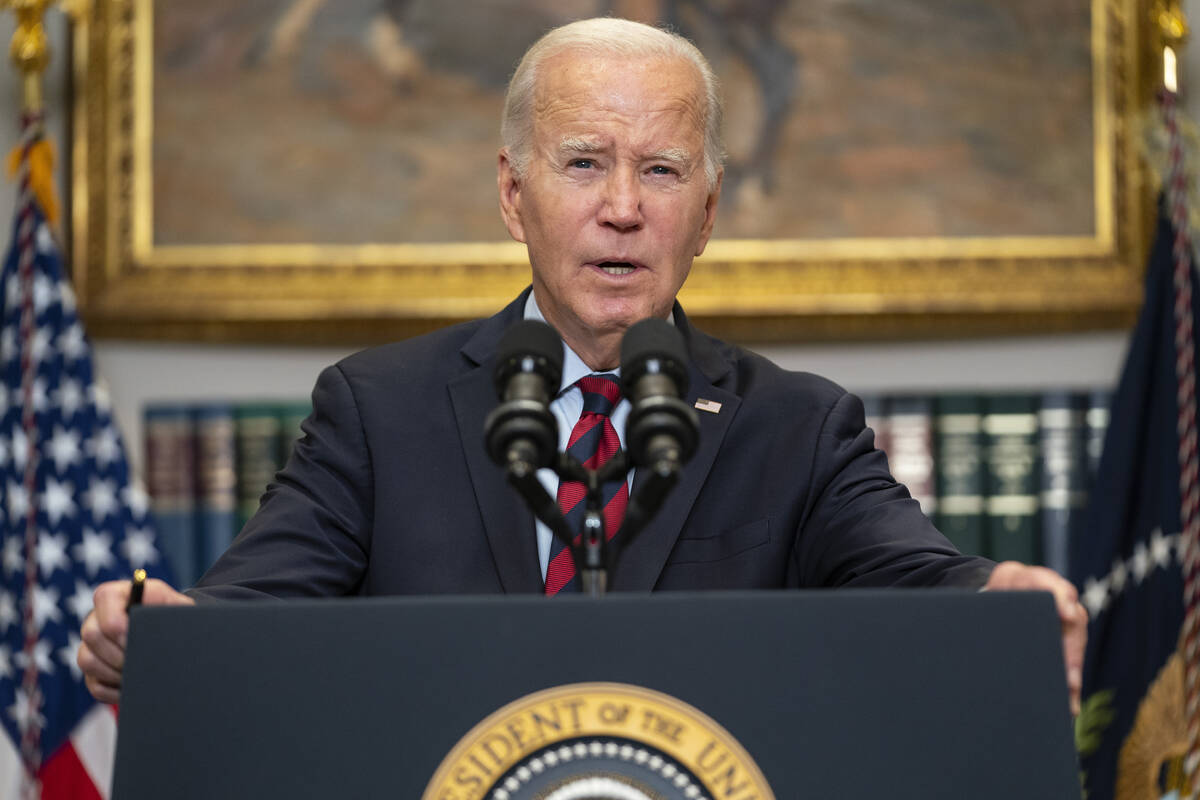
pixel 605 36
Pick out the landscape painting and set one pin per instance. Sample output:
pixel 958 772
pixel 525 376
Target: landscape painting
pixel 349 121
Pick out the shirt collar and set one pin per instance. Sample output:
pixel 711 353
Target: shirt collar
pixel 573 366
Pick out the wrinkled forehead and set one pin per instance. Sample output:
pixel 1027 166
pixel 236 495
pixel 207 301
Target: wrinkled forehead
pixel 578 82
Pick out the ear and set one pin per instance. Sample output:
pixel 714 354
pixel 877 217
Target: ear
pixel 710 214
pixel 510 196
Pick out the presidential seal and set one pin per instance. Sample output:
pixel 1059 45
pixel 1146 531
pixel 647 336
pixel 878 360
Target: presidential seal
pixel 598 741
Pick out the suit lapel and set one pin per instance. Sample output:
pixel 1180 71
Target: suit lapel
pixel 642 561
pixel 508 524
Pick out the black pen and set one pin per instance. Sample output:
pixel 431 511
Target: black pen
pixel 136 587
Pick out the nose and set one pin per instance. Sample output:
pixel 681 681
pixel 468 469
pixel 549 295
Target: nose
pixel 621 206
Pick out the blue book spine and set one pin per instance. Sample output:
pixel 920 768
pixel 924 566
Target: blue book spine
pixel 216 483
pixel 170 480
pixel 1062 447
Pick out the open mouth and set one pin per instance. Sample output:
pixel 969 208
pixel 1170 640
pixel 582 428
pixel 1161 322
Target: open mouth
pixel 617 267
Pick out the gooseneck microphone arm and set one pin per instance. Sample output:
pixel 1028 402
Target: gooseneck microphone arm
pixel 661 433
pixel 521 436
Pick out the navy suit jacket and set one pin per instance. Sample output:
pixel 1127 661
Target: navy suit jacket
pixel 390 490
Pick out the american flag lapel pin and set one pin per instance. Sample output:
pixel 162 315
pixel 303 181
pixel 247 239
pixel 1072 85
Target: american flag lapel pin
pixel 711 406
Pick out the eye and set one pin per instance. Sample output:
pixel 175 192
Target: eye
pixel 582 163
pixel 659 169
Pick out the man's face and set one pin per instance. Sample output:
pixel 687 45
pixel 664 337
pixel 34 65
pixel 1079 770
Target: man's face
pixel 614 204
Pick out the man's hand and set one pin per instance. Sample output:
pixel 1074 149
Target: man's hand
pixel 1014 576
pixel 102 654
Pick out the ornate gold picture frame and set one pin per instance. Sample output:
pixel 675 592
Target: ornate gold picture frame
pixel 149 260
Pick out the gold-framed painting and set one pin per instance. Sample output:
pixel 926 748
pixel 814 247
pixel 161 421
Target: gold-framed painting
pixel 319 171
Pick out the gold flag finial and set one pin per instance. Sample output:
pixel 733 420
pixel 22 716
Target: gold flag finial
pixel 29 49
pixel 1172 28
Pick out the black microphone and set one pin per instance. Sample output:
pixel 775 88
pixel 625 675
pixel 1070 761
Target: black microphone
pixel 662 430
pixel 528 372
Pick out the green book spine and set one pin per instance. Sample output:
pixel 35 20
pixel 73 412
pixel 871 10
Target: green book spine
pixel 258 436
pixel 961 472
pixel 1010 427
pixel 910 448
pixel 291 415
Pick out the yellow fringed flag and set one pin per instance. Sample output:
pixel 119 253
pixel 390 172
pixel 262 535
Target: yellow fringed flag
pixel 41 174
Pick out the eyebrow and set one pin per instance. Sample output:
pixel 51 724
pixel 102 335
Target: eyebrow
pixel 673 155
pixel 575 144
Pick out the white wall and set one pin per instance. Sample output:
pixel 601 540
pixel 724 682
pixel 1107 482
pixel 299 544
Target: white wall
pixel 138 372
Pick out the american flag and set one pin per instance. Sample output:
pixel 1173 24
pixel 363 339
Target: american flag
pixel 70 517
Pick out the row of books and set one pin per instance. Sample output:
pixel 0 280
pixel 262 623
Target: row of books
pixel 1005 476
pixel 1002 475
pixel 206 469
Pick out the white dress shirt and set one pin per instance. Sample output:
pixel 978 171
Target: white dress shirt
pixel 566 408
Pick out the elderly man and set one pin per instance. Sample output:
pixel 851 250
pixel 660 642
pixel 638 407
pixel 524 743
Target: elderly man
pixel 610 172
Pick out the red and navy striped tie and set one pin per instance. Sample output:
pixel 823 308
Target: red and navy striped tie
pixel 593 442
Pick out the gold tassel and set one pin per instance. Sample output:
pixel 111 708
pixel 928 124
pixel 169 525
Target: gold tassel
pixel 41 175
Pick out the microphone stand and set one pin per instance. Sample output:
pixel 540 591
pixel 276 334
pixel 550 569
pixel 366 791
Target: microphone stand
pixel 591 554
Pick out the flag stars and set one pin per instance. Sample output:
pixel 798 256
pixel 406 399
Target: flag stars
pixel 72 343
pixel 138 547
pixel 43 292
pixel 1117 576
pixel 69 398
pixel 66 296
pixel 14 557
pixel 18 501
pixel 51 553
pixel 39 396
pixel 68 655
pixel 1095 596
pixel 1129 573
pixel 101 498
pixel 43 240
pixel 8 611
pixel 95 551
pixel 64 448
pixel 45 606
pixel 12 292
pixel 58 500
pixel 1140 563
pixel 24 711
pixel 1160 549
pixel 41 657
pixel 136 497
pixel 80 603
pixel 6 667
pixel 39 346
pixel 20 449
pixel 106 446
pixel 98 393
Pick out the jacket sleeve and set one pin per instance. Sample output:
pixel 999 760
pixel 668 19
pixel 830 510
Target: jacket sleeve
pixel 311 534
pixel 861 528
